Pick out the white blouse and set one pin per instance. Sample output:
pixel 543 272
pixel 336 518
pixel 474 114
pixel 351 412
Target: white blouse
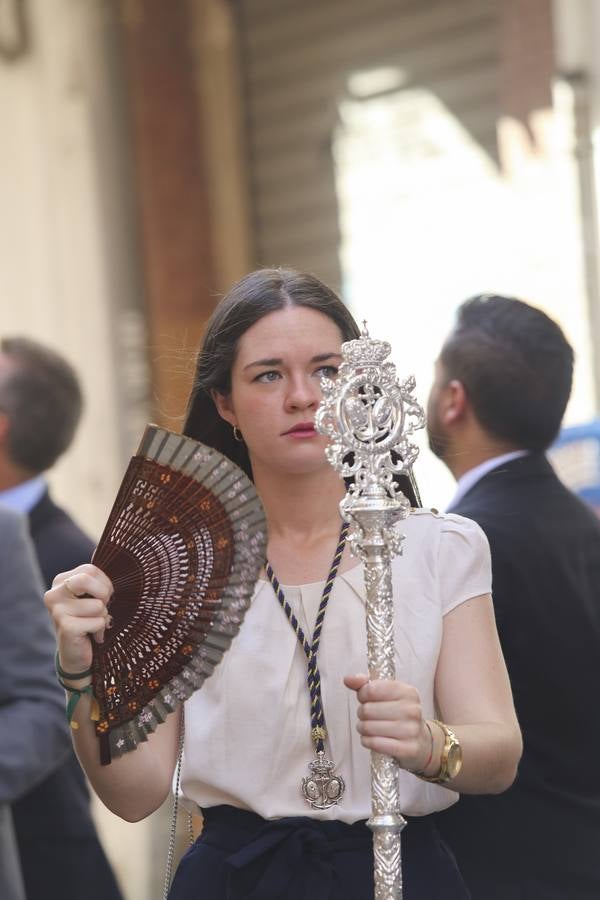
pixel 247 737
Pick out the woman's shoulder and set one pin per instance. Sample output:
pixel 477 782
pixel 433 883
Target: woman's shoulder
pixel 424 519
pixel 446 534
pixel 453 550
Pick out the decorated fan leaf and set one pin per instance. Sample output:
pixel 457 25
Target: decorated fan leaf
pixel 183 547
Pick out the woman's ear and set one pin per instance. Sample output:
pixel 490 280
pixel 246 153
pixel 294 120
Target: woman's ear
pixel 224 408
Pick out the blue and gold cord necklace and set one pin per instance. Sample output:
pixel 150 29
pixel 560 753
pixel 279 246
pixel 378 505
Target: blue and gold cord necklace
pixel 322 788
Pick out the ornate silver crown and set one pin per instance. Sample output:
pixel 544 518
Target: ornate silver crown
pixel 321 764
pixel 365 350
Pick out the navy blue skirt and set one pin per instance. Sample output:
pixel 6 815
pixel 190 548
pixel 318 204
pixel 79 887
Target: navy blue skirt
pixel 240 856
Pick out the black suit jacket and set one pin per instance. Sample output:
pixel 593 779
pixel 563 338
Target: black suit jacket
pixel 61 856
pixel 540 839
pixel 60 544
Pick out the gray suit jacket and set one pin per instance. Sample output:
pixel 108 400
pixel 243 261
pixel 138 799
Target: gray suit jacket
pixel 34 737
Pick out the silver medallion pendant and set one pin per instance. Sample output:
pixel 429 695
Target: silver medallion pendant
pixel 322 789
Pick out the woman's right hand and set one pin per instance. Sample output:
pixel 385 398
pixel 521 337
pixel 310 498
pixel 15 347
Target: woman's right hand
pixel 77 603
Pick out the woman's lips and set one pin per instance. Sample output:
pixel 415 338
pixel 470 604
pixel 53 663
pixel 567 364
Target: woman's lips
pixel 303 430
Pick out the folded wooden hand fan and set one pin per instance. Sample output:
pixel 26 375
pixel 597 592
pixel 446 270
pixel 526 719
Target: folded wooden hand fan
pixel 183 547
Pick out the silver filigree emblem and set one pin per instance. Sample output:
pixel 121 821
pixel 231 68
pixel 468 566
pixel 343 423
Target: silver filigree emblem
pixel 369 417
pixel 323 788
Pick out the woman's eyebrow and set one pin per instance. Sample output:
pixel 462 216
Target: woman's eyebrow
pixel 264 362
pixel 323 356
pixel 277 361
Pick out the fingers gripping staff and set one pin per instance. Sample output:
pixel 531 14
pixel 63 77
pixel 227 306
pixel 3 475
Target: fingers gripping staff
pixel 369 417
pixel 183 547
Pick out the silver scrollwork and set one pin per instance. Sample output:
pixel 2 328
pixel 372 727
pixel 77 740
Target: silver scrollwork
pixel 369 417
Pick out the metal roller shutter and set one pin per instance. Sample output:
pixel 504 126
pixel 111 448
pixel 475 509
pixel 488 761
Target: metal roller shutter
pixel 297 56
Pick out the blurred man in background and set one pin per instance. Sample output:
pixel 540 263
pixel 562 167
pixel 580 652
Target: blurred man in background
pixel 502 383
pixel 34 738
pixel 40 407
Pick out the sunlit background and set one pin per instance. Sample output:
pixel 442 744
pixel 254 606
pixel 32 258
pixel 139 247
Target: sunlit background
pixel 409 152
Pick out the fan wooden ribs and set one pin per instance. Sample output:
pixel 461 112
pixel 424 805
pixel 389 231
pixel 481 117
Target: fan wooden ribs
pixel 183 547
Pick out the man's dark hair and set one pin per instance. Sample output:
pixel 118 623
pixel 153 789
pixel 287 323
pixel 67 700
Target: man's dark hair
pixel 516 366
pixel 42 398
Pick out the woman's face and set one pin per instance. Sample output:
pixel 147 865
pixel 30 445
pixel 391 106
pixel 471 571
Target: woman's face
pixel 275 388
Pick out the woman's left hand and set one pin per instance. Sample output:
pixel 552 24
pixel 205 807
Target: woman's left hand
pixel 390 720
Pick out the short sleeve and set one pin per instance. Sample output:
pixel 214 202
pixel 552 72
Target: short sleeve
pixel 465 568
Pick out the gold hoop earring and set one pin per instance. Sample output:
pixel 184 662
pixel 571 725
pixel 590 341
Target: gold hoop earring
pixel 237 434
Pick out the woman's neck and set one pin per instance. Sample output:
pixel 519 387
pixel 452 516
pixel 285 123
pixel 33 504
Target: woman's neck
pixel 304 523
pixel 302 508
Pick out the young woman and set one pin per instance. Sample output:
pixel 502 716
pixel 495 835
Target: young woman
pixel 248 732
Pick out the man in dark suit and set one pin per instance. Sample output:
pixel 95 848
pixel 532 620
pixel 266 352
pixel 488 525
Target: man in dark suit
pixel 40 406
pixel 502 383
pixel 34 738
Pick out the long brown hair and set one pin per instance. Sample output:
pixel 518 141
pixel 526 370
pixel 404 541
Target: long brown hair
pixel 249 300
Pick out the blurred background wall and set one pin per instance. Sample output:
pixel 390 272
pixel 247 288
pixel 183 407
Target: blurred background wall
pixel 409 152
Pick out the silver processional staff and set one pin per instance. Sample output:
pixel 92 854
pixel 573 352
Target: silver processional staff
pixel 368 417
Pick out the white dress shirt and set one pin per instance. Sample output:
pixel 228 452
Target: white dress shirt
pixel 23 497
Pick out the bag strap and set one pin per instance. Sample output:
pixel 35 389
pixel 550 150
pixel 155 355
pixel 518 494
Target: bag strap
pixel 175 811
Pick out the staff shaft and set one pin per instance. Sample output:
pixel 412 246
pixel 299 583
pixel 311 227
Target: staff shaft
pixel 386 820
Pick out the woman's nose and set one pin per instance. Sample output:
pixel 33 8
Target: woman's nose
pixel 303 393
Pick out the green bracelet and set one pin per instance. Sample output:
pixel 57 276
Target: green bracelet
pixel 70 676
pixel 75 695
